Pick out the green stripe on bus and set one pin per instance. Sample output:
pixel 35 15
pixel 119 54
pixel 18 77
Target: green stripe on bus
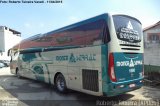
pixel 104 60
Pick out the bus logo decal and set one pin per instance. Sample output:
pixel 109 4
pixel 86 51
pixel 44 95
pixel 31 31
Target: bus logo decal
pixel 75 58
pixel 130 63
pixel 72 58
pixel 129 26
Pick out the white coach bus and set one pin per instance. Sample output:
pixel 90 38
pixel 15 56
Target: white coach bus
pixel 100 56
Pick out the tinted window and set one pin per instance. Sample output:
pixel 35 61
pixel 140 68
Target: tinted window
pixel 28 57
pixel 127 28
pixel 85 34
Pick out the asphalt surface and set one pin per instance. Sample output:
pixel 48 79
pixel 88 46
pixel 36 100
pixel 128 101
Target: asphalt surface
pixel 26 92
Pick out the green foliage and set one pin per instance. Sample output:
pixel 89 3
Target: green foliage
pixel 151 68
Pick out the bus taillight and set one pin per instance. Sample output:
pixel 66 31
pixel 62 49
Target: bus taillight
pixel 111 68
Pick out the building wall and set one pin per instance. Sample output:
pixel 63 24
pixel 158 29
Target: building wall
pixel 2 45
pixel 8 40
pixel 154 30
pixel 152 46
pixel 152 55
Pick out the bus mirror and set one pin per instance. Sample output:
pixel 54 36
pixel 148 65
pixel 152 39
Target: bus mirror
pixel 9 52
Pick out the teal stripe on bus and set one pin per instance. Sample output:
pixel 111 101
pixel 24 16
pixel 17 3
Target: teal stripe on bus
pixel 43 49
pixel 104 60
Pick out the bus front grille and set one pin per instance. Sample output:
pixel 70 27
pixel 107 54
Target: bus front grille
pixel 90 80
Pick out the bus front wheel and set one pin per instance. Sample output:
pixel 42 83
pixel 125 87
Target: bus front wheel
pixel 61 83
pixel 17 73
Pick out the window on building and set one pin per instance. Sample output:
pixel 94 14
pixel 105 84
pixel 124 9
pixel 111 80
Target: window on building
pixel 153 37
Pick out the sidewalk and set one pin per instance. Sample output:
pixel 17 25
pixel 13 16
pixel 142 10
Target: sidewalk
pixel 5 71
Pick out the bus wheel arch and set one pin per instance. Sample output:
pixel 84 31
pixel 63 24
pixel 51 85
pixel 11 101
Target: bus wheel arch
pixel 60 82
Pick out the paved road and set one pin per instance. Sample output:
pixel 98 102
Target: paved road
pixel 14 91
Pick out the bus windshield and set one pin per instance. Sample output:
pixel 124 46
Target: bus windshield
pixel 128 29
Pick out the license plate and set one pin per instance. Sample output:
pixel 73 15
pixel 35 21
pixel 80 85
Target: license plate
pixel 132 85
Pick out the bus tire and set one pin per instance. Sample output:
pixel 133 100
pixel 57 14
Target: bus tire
pixel 17 73
pixel 60 83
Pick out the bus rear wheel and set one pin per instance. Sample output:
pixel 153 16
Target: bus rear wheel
pixel 61 83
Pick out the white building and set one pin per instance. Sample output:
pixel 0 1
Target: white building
pixel 152 45
pixel 8 38
pixel 152 34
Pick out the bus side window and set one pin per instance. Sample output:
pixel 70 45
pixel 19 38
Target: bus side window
pixel 23 57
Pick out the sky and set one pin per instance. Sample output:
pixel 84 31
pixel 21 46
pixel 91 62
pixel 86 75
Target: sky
pixel 32 19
